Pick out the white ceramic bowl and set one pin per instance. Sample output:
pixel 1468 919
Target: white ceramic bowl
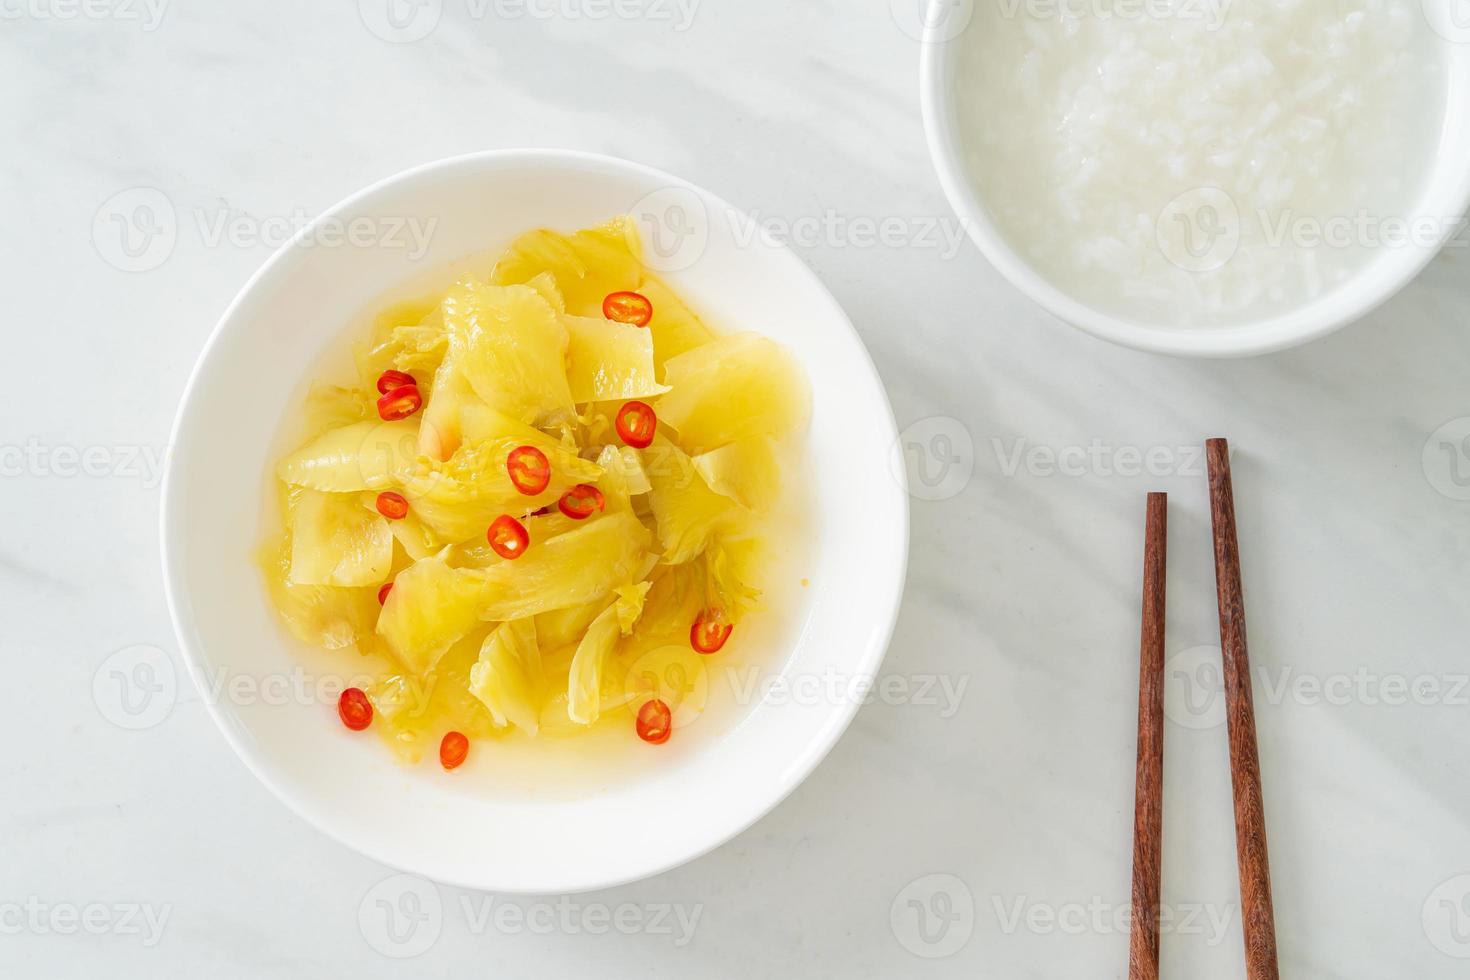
pixel 1447 195
pixel 460 827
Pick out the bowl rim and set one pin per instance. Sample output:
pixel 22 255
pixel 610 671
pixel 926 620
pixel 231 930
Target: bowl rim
pixel 1368 289
pixel 843 711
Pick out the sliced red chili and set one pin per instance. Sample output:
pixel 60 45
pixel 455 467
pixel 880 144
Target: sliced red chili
pixel 390 380
pixel 453 749
pixel 400 403
pixel 354 708
pixel 636 424
pixel 508 537
pixel 709 632
pixel 581 502
pixel 392 505
pixel 383 592
pixel 627 307
pixel 655 722
pixel 529 469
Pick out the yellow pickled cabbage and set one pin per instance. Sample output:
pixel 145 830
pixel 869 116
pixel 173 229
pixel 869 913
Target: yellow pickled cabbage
pixel 504 678
pixel 595 613
pixel 335 541
pixel 688 512
pixel 746 471
pixel 608 360
pixel 430 607
pixel 417 710
pixel 511 346
pixel 733 388
pixel 570 569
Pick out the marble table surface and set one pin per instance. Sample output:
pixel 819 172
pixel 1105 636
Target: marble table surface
pixel 974 822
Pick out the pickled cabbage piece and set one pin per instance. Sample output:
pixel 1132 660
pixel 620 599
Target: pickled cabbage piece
pixel 407 336
pixel 414 712
pixel 746 471
pixel 363 456
pixel 675 597
pixel 607 360
pixel 622 477
pixel 329 617
pixel 629 605
pixel 570 569
pixel 332 406
pixel 511 346
pixel 587 265
pixel 420 351
pixel 417 539
pixel 736 387
pixel 477 553
pixel 584 680
pixel 335 541
pixel 730 566
pixel 481 423
pixel 505 677
pixel 473 487
pixel 455 416
pixel 430 607
pixel 556 723
pixel 545 284
pixel 561 627
pixel 441 430
pixel 632 471
pixel 688 512
pixel 479 470
pixel 674 326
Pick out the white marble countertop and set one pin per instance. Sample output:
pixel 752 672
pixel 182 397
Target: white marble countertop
pixel 153 852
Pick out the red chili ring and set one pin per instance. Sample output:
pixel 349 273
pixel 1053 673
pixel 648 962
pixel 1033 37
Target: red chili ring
pixel 389 380
pixel 354 708
pixel 581 502
pixel 709 632
pixel 529 470
pixel 628 307
pixel 400 403
pixel 453 749
pixel 508 537
pixel 392 505
pixel 655 722
pixel 636 423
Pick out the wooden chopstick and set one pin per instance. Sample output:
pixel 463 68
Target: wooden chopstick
pixel 1257 916
pixel 1148 804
